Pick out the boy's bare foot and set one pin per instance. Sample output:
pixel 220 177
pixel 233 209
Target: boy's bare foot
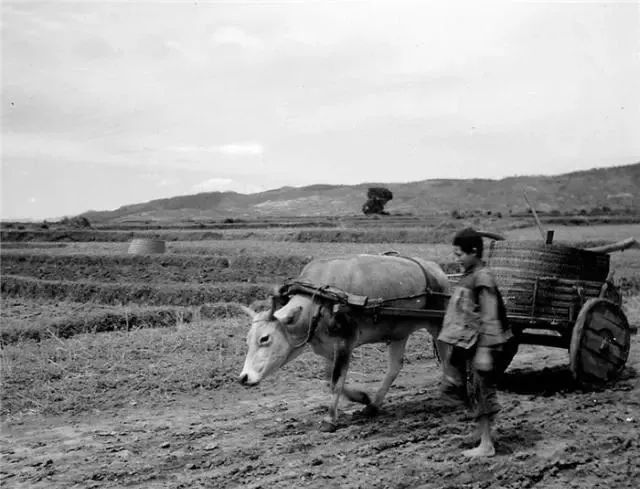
pixel 482 450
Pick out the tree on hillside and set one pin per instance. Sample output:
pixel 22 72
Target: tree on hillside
pixel 377 197
pixel 76 222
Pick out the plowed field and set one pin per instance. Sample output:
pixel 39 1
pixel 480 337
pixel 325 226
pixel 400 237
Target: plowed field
pixel 160 407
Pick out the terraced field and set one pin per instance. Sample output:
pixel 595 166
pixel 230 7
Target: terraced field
pixel 119 370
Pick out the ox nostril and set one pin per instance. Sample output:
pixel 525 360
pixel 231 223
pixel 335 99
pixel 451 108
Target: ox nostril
pixel 243 379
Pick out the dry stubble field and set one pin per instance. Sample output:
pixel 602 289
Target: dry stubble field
pixel 93 395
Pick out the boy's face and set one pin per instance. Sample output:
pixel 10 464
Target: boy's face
pixel 466 260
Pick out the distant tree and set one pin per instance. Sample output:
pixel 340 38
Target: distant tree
pixel 76 222
pixel 380 193
pixel 377 197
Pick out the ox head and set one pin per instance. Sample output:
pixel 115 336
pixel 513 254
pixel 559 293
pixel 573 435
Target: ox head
pixel 274 338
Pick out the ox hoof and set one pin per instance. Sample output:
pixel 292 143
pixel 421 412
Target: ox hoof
pixel 370 410
pixel 327 427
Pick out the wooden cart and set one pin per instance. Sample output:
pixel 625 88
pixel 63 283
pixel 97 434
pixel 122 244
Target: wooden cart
pixel 564 297
pixel 555 296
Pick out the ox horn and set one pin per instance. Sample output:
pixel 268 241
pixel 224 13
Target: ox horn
pixel 274 306
pixel 280 295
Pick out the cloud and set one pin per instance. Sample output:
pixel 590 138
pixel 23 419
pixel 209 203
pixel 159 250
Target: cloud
pixel 213 184
pixel 230 35
pixel 193 53
pixel 253 149
pixel 226 185
pixel 235 149
pixel 48 147
pixel 166 182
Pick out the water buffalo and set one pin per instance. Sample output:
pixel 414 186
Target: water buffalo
pixel 281 334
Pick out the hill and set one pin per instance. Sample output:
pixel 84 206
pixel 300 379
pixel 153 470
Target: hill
pixel 615 188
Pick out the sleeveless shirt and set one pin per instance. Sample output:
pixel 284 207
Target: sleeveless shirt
pixel 465 324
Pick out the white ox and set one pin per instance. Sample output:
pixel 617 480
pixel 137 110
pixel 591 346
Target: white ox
pixel 278 336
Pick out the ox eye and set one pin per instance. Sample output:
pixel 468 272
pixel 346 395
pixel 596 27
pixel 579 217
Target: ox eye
pixel 264 340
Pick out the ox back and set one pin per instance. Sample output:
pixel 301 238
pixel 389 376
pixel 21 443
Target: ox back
pixel 396 281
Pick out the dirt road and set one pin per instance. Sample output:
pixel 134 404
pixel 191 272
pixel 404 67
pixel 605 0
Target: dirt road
pixel 550 435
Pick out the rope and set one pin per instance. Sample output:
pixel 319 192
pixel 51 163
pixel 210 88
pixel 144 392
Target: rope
pixel 313 320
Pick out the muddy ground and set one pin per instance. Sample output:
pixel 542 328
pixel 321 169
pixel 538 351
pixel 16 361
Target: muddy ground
pixel 162 421
pixel 551 434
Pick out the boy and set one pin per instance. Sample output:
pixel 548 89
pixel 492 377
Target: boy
pixel 474 331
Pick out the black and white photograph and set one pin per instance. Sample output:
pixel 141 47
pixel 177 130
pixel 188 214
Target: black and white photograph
pixel 328 244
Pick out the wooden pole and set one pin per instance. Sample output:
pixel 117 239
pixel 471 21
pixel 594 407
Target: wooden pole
pixel 535 215
pixel 549 236
pixel 619 246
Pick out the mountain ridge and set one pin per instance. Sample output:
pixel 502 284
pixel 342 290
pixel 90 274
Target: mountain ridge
pixel 611 187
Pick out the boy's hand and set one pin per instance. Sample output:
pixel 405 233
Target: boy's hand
pixel 483 360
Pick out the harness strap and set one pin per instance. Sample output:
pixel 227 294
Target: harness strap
pixel 313 321
pixel 427 284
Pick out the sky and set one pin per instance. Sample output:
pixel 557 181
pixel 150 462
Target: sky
pixel 108 103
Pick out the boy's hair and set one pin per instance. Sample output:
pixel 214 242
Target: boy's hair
pixel 467 240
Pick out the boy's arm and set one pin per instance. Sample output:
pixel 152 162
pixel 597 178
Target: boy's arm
pixel 489 316
pixel 489 326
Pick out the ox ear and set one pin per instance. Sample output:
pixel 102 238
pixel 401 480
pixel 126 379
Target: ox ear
pixel 248 311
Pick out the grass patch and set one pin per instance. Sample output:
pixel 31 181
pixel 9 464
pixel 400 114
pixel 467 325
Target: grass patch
pixel 102 371
pixel 155 294
pixel 157 268
pixel 434 234
pixel 21 245
pixel 578 234
pixel 93 372
pixel 121 318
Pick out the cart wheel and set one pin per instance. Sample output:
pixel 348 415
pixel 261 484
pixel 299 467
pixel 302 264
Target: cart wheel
pixel 600 342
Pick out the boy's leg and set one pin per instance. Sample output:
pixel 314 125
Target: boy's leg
pixel 484 404
pixel 454 373
pixel 486 447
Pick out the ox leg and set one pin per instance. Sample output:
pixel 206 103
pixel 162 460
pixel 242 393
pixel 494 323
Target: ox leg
pixel 396 358
pixel 354 395
pixel 341 361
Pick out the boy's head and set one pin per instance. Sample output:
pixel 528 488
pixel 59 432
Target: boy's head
pixel 469 241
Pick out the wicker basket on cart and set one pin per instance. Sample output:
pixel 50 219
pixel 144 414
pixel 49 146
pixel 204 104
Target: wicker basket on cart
pixel 563 296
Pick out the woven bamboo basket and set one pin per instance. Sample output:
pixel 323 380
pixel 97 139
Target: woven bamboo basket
pixel 144 246
pixel 553 279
